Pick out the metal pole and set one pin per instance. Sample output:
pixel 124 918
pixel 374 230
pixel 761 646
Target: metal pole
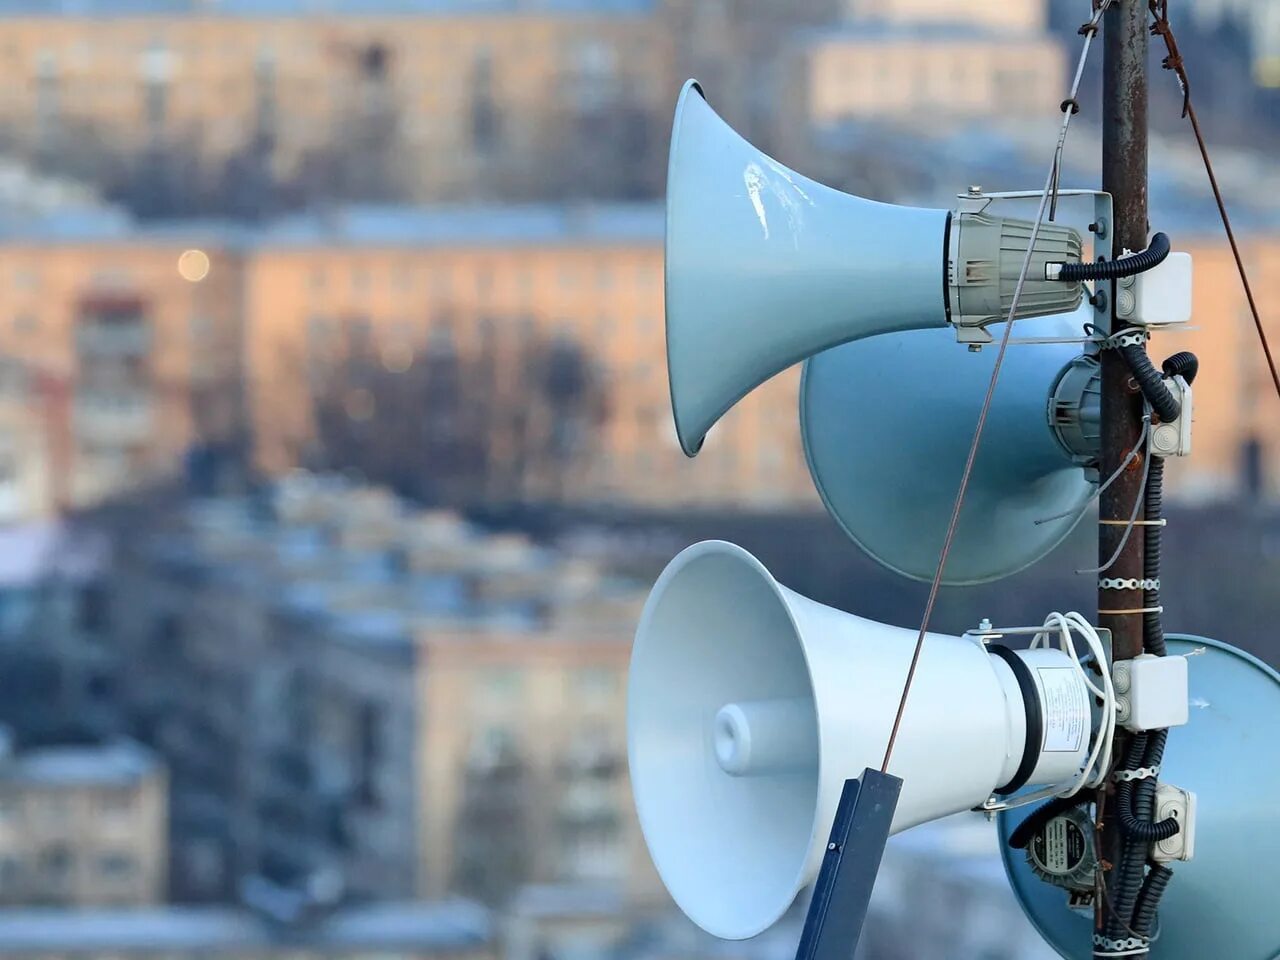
pixel 1124 176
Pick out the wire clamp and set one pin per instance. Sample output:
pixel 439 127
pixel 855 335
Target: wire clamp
pixel 1128 947
pixel 1142 773
pixel 1130 583
pixel 1127 613
pixel 1125 338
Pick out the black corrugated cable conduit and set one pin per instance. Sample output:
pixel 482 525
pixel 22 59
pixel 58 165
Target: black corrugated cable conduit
pixel 1144 915
pixel 1153 507
pixel 1162 400
pixel 1131 864
pixel 1129 266
pixel 1185 364
pixel 1135 799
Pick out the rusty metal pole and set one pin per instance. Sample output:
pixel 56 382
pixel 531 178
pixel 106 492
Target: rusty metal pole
pixel 1124 176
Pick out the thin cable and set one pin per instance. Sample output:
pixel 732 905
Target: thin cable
pixel 1097 765
pixel 1102 487
pixel 1139 498
pixel 1174 62
pixel 1090 30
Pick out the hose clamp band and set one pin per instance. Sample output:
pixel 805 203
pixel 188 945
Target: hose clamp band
pixel 1142 773
pixel 1130 583
pixel 1125 338
pixel 1128 947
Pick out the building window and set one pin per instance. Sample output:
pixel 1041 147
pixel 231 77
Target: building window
pixel 484 108
pixel 201 327
pixel 360 279
pixel 264 82
pixel 48 97
pixel 10 872
pixel 369 741
pixel 116 866
pixel 500 685
pixel 56 862
pixel 115 804
pixel 595 684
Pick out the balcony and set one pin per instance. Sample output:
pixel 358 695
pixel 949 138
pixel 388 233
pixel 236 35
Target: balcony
pixel 116 418
pixel 117 339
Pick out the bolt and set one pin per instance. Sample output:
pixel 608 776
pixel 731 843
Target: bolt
pixel 984 624
pixel 975 191
pixel 831 846
pixel 975 348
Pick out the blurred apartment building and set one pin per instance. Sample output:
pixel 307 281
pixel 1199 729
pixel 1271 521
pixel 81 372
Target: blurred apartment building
pixel 358 699
pixel 917 64
pixel 121 352
pixel 489 286
pixel 82 825
pixel 422 99
pixel 56 669
pixel 448 100
pixel 1260 21
pixel 127 348
pixel 448 930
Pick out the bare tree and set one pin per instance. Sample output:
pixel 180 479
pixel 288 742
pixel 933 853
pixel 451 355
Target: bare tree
pixel 508 418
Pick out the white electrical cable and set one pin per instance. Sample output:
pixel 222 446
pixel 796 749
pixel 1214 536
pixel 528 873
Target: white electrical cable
pixel 1094 771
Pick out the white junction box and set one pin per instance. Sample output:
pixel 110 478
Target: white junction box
pixel 1151 692
pixel 1160 297
pixel 1178 804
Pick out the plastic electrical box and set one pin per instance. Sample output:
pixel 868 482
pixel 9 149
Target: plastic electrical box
pixel 1174 439
pixel 1151 692
pixel 1160 297
pixel 1180 804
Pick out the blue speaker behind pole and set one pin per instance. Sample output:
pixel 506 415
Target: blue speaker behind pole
pixel 887 423
pixel 1225 903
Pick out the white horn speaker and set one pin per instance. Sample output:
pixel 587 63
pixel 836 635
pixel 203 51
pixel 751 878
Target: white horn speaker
pixel 765 267
pixel 750 705
pixel 887 424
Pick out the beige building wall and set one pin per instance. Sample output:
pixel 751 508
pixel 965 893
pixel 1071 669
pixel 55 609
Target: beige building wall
pixel 541 717
pixel 866 75
pixel 607 297
pixel 1234 398
pixel 83 826
pixel 122 362
pixel 1012 16
pixel 211 84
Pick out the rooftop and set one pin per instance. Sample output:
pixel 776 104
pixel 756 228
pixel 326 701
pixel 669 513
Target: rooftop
pixel 316 8
pixel 33 552
pixel 363 226
pixel 429 926
pixel 884 31
pixel 114 764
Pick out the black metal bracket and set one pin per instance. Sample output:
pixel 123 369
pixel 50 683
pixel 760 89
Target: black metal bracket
pixel 842 891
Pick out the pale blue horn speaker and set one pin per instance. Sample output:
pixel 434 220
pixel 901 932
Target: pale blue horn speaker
pixel 1223 902
pixel 765 267
pixel 887 424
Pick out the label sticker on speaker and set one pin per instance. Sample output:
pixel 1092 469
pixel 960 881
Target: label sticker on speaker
pixel 1066 709
pixel 1059 847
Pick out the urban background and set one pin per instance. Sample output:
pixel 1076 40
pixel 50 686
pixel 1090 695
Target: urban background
pixel 336 457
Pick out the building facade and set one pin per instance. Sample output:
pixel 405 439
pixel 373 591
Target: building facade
pixel 426 99
pixel 482 297
pixel 353 696
pixel 121 353
pixel 914 75
pixel 83 826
